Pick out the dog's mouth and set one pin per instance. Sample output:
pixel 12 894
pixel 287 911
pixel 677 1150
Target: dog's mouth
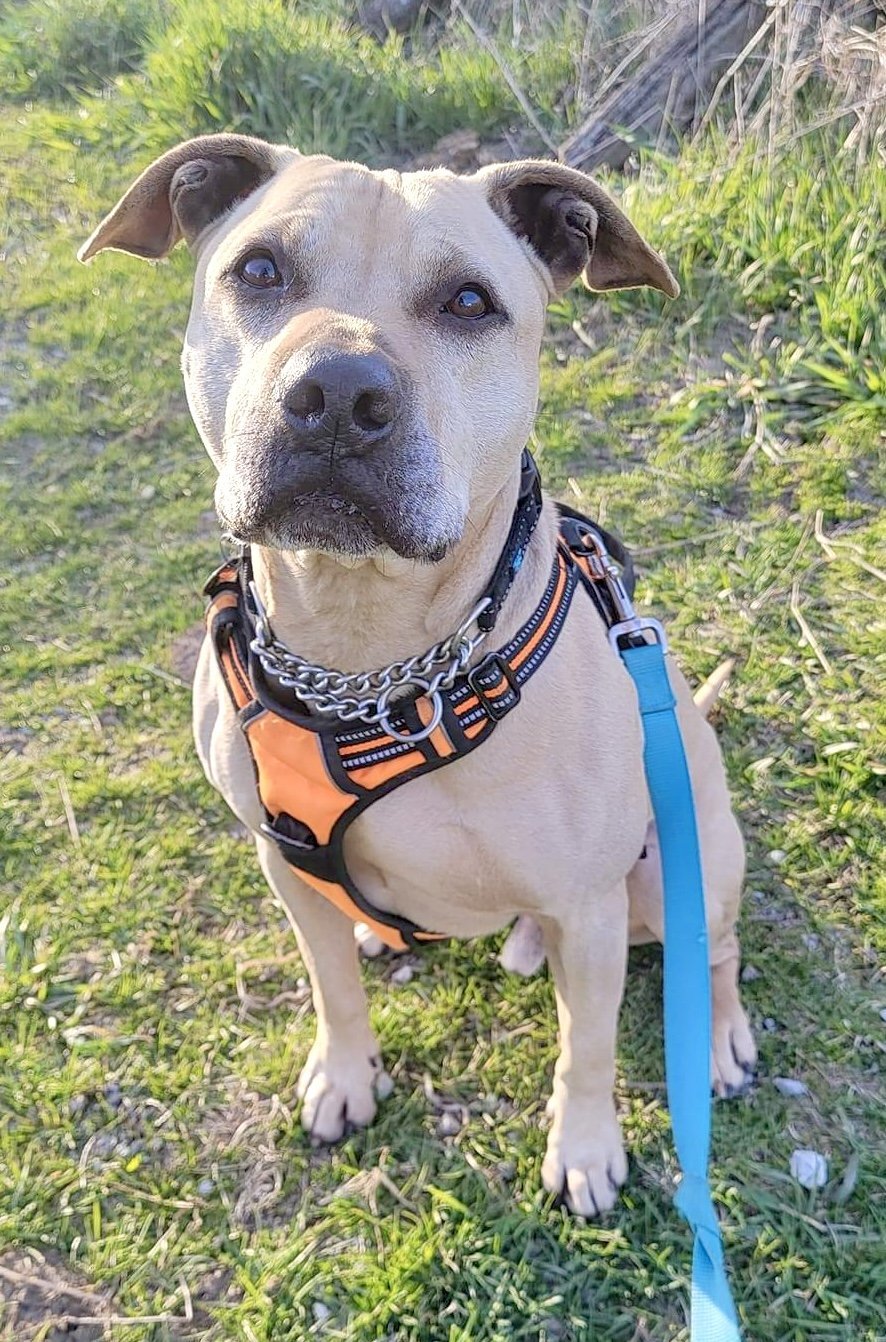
pixel 324 521
pixel 332 523
pixel 316 521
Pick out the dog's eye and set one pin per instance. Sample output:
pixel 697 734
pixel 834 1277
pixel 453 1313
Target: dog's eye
pixel 470 302
pixel 259 269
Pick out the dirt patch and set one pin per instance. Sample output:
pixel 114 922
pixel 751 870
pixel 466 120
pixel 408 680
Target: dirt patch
pixel 464 151
pixel 37 1290
pixel 185 650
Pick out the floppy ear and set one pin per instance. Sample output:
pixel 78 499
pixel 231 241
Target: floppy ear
pixel 180 194
pixel 574 227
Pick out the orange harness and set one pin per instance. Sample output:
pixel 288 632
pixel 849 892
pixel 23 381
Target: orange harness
pixel 314 777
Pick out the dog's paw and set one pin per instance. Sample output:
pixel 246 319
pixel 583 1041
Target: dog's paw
pixel 585 1161
pixel 733 1052
pixel 338 1089
pixel 369 945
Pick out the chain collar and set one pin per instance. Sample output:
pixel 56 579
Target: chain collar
pixel 368 696
pixel 365 696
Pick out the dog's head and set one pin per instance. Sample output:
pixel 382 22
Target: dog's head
pixel 361 356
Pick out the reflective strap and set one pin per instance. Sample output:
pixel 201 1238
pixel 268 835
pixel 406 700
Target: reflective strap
pixel 687 990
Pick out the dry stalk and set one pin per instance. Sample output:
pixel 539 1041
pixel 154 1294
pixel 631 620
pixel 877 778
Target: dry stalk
pixel 507 74
pixel 70 816
pixel 805 630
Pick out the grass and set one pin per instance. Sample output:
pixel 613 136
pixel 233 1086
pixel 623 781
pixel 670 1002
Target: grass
pixel 152 1013
pixel 61 48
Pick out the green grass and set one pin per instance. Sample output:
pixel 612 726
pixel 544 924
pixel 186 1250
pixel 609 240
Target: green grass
pixel 152 1023
pixel 61 48
pixel 295 73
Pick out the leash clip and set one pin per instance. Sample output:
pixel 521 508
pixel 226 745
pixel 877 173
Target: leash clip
pixel 628 624
pixel 637 627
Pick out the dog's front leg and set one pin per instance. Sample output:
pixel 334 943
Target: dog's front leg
pixel 337 1083
pixel 587 953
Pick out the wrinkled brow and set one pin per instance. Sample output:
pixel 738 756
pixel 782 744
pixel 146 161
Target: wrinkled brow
pixel 446 271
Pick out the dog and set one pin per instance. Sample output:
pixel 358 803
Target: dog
pixel 361 362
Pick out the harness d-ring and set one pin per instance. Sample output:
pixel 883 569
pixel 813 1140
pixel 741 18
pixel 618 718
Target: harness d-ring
pixel 409 738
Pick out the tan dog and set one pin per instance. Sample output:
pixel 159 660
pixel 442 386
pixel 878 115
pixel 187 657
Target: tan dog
pixel 361 363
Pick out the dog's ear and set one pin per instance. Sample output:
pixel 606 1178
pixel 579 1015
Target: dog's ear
pixel 184 191
pixel 574 227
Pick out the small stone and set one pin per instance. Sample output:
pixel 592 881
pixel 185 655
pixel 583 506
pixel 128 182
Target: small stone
pixel 809 1168
pixel 786 1085
pixel 811 941
pixel 205 1188
pixel 403 975
pixel 769 1023
pixel 320 1311
pixel 147 492
pixel 750 973
pixel 882 1013
pixel 113 1094
pixel 383 1086
pixel 777 857
pixel 758 895
pixel 449 1124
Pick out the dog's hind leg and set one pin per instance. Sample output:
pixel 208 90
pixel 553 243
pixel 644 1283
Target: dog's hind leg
pixel 337 1083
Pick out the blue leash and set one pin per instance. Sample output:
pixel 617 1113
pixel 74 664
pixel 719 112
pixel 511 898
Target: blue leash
pixel 687 994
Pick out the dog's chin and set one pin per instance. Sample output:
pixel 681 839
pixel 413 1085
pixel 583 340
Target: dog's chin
pixel 331 525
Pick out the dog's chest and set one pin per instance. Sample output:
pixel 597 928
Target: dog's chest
pixel 550 810
pixel 516 827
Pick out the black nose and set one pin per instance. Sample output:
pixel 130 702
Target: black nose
pixel 351 400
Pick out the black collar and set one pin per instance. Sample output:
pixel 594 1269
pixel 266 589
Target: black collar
pixel 524 522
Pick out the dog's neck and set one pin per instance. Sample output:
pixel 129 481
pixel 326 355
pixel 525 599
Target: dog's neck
pixel 363 615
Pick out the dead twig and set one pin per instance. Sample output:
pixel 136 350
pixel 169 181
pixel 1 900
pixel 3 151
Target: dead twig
pixel 587 340
pixel 117 1320
pixel 488 45
pixel 805 629
pixel 763 31
pixel 830 544
pixel 70 817
pixel 167 676
pixel 698 539
pixel 49 1288
pixel 762 440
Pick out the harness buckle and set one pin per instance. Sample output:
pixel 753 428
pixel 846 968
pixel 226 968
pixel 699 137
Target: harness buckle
pixel 494 707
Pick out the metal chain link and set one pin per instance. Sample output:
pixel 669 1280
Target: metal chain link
pixel 365 696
